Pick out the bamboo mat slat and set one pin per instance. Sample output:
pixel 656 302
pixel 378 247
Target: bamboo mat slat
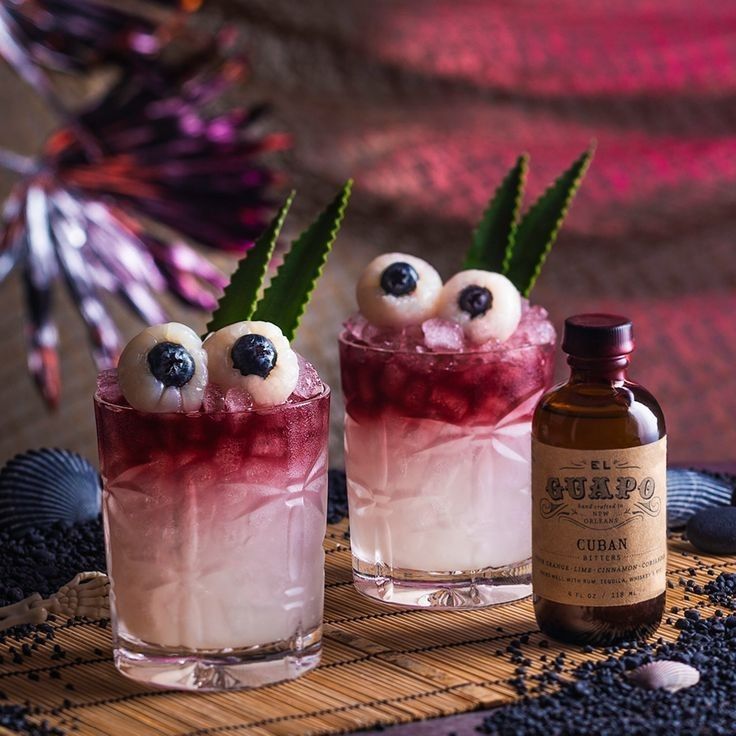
pixel 380 666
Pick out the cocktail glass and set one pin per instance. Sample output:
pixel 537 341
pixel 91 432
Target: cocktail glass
pixel 438 461
pixel 214 524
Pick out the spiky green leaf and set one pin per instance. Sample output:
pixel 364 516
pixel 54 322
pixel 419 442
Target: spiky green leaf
pixel 493 239
pixel 286 297
pixel 539 226
pixel 239 300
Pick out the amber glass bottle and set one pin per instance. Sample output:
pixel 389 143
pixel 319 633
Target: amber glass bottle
pixel 599 494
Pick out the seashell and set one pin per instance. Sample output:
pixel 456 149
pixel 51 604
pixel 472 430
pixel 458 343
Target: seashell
pixel 690 491
pixel 41 487
pixel 665 674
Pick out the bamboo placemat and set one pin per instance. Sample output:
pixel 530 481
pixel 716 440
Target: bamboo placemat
pixel 380 665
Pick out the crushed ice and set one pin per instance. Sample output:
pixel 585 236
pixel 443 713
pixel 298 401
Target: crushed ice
pixel 216 399
pixel 439 335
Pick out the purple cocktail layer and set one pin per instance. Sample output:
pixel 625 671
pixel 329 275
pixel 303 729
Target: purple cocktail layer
pixel 225 440
pixel 415 373
pixel 215 521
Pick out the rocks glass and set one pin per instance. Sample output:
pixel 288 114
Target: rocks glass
pixel 214 523
pixel 438 460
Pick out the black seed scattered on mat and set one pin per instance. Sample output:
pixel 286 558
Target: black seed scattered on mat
pixel 601 700
pixel 722 592
pixel 337 502
pixel 15 718
pixel 41 561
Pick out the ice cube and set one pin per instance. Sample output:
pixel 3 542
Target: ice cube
pixel 412 339
pixel 108 387
pixel 355 327
pixel 442 334
pixel 395 378
pixel 534 328
pixel 309 383
pixel 237 399
pixel 414 399
pixel 448 404
pixel 214 399
pixel 383 337
pixel 492 408
pixel 367 384
pixel 408 338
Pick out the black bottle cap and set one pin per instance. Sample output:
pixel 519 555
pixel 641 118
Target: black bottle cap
pixel 597 336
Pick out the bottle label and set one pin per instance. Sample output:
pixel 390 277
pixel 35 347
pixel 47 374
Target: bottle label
pixel 599 524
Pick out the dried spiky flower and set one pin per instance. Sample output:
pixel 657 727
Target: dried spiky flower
pixel 152 151
pixel 75 35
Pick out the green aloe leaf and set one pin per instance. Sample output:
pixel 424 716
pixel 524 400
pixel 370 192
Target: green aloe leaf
pixel 241 295
pixel 286 297
pixel 493 239
pixel 541 223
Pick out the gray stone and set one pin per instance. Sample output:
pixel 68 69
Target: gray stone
pixel 713 530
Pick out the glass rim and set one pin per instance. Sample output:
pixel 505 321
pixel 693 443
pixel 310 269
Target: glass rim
pixel 325 393
pixel 347 339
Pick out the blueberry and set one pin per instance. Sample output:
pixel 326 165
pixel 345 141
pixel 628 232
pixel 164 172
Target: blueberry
pixel 399 279
pixel 254 355
pixel 475 300
pixel 171 364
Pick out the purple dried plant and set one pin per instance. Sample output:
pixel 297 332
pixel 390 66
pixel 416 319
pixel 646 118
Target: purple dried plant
pixel 117 192
pixel 75 35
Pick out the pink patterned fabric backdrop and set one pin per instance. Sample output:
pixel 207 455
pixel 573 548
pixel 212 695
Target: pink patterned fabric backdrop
pixel 427 102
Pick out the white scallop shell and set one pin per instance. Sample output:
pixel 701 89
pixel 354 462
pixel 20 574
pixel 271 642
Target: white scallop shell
pixel 665 674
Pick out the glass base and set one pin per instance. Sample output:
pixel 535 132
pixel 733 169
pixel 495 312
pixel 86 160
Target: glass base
pixel 458 590
pixel 231 669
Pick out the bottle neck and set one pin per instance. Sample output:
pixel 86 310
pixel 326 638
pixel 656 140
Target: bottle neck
pixel 610 370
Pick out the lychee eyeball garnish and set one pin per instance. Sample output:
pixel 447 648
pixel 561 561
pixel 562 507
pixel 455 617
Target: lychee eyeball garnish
pixel 164 368
pixel 486 304
pixel 398 290
pixel 254 357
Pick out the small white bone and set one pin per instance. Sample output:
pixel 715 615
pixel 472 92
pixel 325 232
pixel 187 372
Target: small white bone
pixel 23 612
pixel 87 594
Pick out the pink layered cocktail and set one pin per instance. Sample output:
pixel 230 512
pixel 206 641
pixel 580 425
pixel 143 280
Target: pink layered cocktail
pixel 214 526
pixel 438 458
pixel 213 452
